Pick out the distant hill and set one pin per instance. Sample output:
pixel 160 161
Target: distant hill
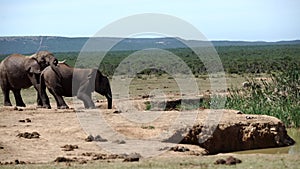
pixel 31 44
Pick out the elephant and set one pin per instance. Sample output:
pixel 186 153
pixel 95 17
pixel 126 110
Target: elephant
pixel 74 82
pixel 18 72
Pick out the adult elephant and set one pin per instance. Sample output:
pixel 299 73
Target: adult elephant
pixel 75 82
pixel 18 72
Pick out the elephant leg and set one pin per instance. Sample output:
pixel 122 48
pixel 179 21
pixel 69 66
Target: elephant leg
pixel 87 100
pixel 60 102
pixel 6 97
pixel 18 97
pixel 42 97
pixel 43 102
pixel 39 101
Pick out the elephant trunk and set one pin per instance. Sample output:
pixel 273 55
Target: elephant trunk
pixel 102 87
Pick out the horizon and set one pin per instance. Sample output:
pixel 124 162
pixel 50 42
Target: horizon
pixel 214 40
pixel 233 20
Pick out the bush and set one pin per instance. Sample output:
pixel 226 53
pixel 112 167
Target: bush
pixel 277 96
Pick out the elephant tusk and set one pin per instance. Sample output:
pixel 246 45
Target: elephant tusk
pixel 62 61
pixel 33 56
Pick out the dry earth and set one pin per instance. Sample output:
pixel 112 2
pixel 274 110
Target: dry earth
pixel 127 130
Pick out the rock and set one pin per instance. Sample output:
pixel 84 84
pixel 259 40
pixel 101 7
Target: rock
pixel 237 133
pixel 96 138
pixel 220 161
pixel 68 147
pixel 232 160
pixel 100 156
pixel 28 135
pixel 249 117
pixel 99 139
pixel 35 134
pixel 229 161
pixel 17 162
pixel 27 120
pixel 119 141
pixel 117 112
pixel 132 157
pixel 90 138
pixel 180 149
pixel 63 159
pixel 82 162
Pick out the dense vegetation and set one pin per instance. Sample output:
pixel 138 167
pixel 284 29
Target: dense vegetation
pixel 235 59
pixel 278 96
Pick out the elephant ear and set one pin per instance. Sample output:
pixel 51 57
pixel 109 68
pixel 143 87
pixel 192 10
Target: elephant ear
pixel 32 66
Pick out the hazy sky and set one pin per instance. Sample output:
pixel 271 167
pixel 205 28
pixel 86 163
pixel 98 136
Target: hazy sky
pixel 268 20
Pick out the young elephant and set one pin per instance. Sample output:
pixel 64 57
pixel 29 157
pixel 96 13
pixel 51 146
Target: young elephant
pixel 74 82
pixel 18 72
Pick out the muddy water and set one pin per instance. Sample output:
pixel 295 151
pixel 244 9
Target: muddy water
pixel 294 149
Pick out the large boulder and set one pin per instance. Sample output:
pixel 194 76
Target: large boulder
pixel 236 131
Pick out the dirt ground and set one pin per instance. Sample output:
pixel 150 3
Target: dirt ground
pixel 60 129
pixel 38 137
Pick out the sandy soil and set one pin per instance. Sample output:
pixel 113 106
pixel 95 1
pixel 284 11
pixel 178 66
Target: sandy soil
pixel 141 131
pixel 60 127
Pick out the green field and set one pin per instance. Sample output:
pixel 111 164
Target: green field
pixel 278 96
pixel 259 161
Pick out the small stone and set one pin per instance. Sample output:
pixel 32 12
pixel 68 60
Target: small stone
pixel 117 112
pixel 99 139
pixel 179 149
pixel 68 147
pixel 119 141
pixel 35 134
pixel 28 120
pixel 22 121
pixel 29 135
pixel 132 157
pixel 249 117
pixel 22 162
pixel 232 160
pixel 220 161
pixel 62 159
pixel 82 162
pixel 90 138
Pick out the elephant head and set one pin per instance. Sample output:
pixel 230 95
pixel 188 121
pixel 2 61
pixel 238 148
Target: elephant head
pixel 45 58
pixel 32 66
pixel 102 86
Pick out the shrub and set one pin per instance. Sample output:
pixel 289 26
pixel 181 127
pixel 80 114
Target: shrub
pixel 277 96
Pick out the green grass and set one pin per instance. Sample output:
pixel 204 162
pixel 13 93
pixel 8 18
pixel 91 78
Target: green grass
pixel 248 161
pixel 277 96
